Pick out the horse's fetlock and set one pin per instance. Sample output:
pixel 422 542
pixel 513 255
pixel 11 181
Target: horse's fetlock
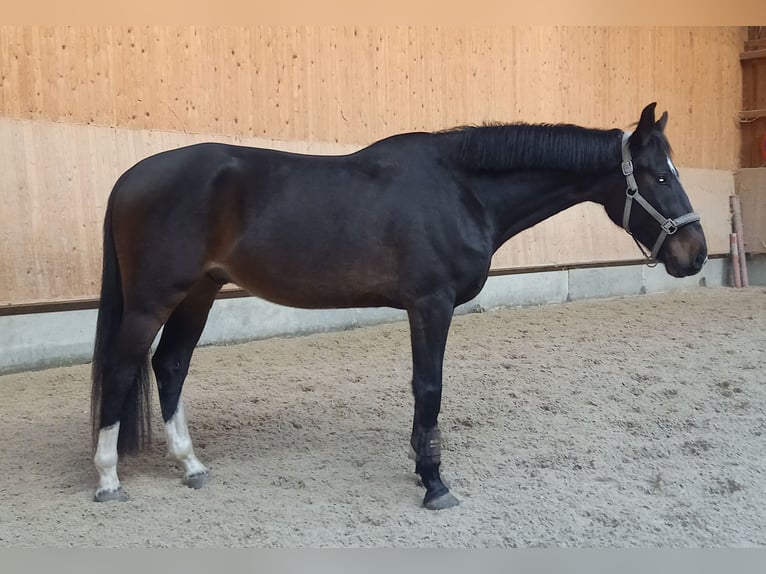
pixel 105 461
pixel 180 448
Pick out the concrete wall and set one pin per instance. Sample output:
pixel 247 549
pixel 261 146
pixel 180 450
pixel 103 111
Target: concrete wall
pixel 62 338
pixel 756 269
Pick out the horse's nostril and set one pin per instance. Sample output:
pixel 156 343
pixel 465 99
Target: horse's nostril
pixel 700 260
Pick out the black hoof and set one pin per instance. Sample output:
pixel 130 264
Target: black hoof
pixel 111 495
pixel 197 481
pixel 441 501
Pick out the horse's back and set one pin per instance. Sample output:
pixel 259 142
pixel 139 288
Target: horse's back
pixel 181 169
pixel 301 230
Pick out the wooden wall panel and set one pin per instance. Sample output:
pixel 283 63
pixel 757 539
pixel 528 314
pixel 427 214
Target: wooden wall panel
pixel 55 179
pixel 78 105
pixel 359 84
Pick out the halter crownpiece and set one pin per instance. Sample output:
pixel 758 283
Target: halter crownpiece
pixel 668 226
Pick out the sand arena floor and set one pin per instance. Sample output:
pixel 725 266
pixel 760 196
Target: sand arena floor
pixel 624 422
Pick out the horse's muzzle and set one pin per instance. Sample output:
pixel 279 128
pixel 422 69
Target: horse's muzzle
pixel 685 252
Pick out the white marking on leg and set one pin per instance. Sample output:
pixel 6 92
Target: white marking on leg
pixel 106 459
pixel 180 445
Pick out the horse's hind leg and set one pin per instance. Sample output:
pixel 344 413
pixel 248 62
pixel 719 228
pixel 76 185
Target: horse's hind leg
pixel 125 368
pixel 171 364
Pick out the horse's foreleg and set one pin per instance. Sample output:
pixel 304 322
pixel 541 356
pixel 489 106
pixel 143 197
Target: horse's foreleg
pixel 171 364
pixel 430 319
pixel 196 475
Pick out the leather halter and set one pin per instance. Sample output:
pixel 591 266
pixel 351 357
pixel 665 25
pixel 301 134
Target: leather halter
pixel 668 226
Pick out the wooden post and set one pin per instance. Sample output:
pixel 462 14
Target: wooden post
pixel 737 220
pixel 735 260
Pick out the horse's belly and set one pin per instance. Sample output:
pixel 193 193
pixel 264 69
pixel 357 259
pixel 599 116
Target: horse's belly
pixel 315 286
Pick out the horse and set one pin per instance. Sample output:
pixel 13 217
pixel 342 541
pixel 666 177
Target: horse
pixel 409 222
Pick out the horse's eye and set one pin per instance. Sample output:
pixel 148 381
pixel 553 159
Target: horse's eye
pixel 662 179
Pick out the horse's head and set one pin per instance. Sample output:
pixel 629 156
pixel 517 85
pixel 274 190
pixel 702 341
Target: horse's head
pixel 655 208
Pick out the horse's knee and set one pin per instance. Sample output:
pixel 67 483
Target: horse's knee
pixel 170 368
pixel 170 373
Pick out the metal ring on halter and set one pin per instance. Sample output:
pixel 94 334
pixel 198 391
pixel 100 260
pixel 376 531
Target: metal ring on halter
pixel 669 227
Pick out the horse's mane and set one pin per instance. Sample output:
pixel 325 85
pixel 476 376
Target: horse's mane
pixel 565 147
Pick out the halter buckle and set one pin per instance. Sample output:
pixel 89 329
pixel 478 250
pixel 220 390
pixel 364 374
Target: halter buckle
pixel 627 167
pixel 670 226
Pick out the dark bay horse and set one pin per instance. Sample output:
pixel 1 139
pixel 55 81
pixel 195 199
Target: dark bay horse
pixel 410 222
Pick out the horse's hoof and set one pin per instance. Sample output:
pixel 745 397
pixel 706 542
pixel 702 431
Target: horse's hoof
pixel 440 502
pixel 197 481
pixel 111 495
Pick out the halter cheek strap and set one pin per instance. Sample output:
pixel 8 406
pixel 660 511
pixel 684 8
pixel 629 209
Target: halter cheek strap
pixel 668 226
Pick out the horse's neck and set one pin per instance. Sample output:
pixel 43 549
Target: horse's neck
pixel 517 201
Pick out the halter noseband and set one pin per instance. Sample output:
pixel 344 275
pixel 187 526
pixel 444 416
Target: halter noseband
pixel 667 226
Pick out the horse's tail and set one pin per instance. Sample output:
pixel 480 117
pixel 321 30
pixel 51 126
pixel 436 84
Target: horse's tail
pixel 135 427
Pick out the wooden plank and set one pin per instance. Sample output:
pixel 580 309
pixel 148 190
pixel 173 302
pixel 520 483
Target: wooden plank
pixel 82 303
pixel 755 44
pixel 749 115
pixel 753 55
pixel 234 292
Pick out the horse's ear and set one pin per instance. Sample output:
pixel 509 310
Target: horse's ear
pixel 663 121
pixel 645 124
